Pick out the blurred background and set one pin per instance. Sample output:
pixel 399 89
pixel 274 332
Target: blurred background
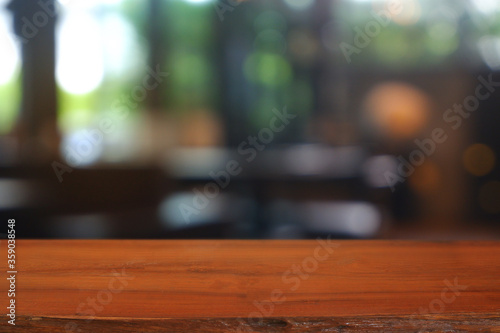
pixel 250 119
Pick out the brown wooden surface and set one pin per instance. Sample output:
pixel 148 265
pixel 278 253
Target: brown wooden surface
pixel 215 286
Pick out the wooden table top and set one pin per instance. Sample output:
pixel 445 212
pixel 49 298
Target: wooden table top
pixel 253 286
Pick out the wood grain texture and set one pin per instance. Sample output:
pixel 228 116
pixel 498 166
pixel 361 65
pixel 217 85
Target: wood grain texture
pixel 255 286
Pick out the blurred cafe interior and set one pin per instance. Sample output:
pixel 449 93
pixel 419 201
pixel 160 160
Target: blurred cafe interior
pixel 267 119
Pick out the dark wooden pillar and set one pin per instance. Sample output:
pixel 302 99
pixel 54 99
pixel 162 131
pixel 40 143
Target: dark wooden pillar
pixel 34 24
pixel 156 41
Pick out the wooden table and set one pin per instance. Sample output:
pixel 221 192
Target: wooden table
pixel 254 286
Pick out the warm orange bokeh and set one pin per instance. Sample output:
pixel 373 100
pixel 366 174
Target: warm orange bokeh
pixel 398 110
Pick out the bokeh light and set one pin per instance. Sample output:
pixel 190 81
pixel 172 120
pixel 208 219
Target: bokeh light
pixel 9 56
pixel 442 28
pixel 267 69
pixel 9 71
pixel 80 64
pixel 487 6
pixel 398 109
pixel 479 159
pixel 404 13
pixel 409 13
pixel 489 49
